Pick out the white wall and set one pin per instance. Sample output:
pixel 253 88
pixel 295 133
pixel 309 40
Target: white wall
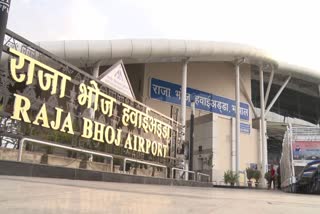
pixel 216 78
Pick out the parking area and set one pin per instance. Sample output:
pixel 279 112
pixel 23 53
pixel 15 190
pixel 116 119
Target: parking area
pixel 45 195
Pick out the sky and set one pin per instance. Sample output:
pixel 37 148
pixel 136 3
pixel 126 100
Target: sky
pixel 287 29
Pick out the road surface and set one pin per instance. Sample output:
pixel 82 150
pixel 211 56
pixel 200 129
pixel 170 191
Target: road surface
pixel 28 195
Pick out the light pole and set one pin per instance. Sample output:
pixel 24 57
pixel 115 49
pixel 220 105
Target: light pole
pixel 4 11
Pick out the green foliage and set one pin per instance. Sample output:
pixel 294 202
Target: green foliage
pixel 257 175
pixel 49 150
pixel 230 177
pixel 63 137
pixel 267 176
pixel 250 173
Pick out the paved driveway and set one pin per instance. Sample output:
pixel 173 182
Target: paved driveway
pixel 43 195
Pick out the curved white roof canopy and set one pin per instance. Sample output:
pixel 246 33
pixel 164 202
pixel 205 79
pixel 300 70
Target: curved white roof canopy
pixel 81 53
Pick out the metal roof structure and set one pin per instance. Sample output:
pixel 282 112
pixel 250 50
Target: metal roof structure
pixel 88 52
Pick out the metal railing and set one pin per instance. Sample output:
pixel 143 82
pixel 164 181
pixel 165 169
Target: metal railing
pixel 144 162
pixel 21 142
pixel 196 176
pixel 199 174
pixel 183 170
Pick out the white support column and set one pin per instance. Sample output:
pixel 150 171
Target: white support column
pixel 278 94
pixel 183 113
pixel 233 145
pixel 96 67
pixel 269 86
pixel 248 98
pixel 95 74
pixel 237 92
pixel 263 130
pixel 260 146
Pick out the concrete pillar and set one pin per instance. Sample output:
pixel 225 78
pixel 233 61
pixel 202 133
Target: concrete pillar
pixel 237 93
pixel 183 114
pixel 96 67
pixel 263 129
pixel 233 145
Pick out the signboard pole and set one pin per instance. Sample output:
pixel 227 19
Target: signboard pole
pixel 193 109
pixel 4 11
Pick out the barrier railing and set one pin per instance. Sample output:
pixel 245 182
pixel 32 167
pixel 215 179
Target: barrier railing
pixel 22 141
pixel 144 162
pixel 199 174
pixel 183 170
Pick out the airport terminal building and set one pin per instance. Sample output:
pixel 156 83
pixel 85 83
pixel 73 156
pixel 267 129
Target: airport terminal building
pixel 155 69
pixel 224 81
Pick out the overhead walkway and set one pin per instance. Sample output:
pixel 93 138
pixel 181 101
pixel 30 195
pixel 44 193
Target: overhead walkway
pixel 276 127
pixel 277 124
pixel 273 117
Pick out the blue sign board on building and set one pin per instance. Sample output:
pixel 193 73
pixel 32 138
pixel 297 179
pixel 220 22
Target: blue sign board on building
pixel 245 128
pixel 170 92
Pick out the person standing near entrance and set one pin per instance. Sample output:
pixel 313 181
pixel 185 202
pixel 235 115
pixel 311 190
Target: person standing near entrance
pixel 278 178
pixel 272 177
